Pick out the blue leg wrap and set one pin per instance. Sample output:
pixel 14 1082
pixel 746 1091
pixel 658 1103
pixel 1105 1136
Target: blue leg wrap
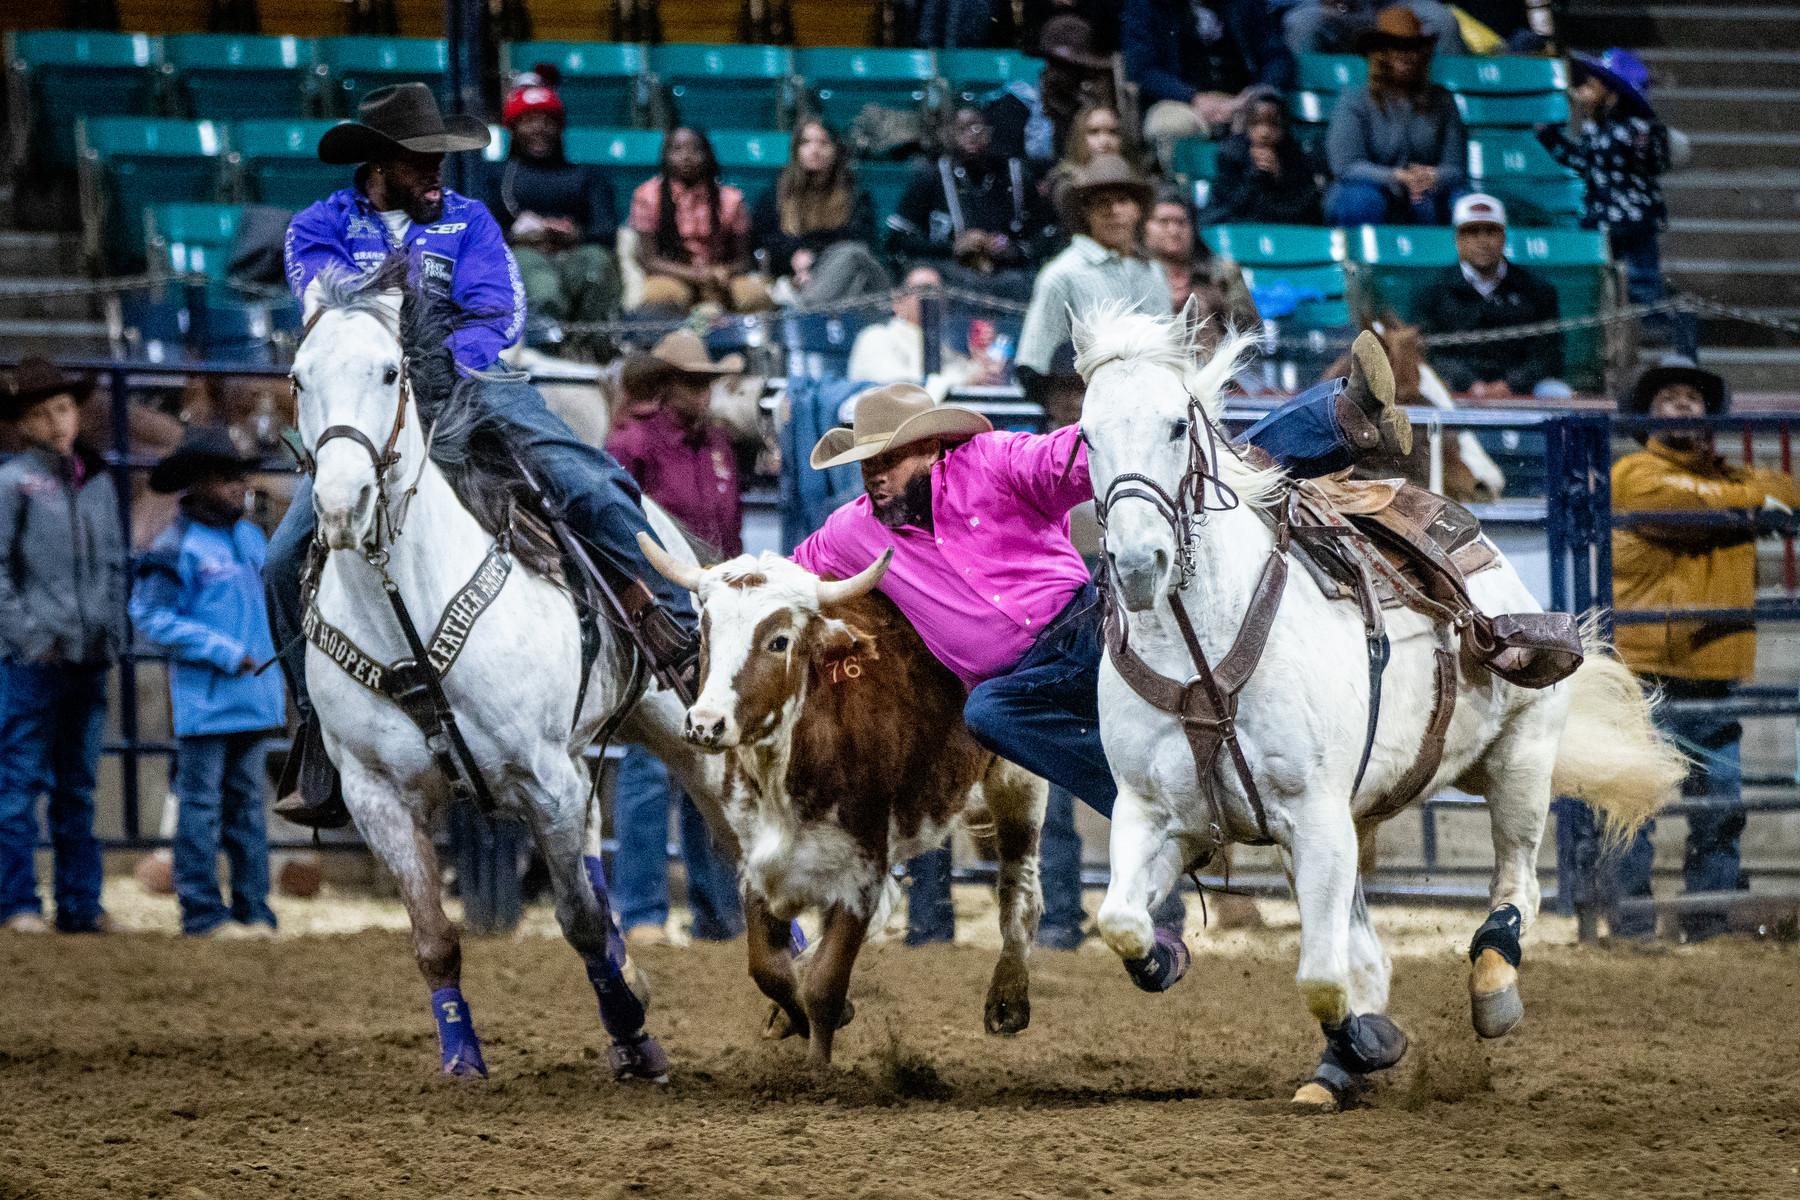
pixel 1499 932
pixel 1163 967
pixel 456 1033
pixel 621 1012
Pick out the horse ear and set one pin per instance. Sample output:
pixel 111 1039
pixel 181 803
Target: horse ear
pixel 1079 331
pixel 392 300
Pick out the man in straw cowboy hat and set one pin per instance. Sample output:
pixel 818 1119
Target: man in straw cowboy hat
pixel 397 205
pixel 978 522
pixel 62 622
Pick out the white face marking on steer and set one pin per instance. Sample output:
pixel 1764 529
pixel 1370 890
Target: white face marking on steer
pixel 754 607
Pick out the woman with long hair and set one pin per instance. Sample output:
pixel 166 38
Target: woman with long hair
pixel 1098 129
pixel 816 228
pixel 1397 146
pixel 694 232
pixel 1264 175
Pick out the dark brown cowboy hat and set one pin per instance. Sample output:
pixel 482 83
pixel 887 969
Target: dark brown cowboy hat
pixel 1396 27
pixel 35 380
pixel 205 450
pixel 1109 172
pixel 894 416
pixel 404 116
pixel 1677 368
pixel 1069 41
pixel 679 353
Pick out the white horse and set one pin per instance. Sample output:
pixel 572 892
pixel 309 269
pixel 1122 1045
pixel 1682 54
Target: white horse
pixel 1302 716
pixel 513 688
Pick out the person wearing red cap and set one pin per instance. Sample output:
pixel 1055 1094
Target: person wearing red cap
pixel 560 217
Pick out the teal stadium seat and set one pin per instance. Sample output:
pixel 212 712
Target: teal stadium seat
pixel 886 183
pixel 603 83
pixel 278 162
pixel 55 76
pixel 1328 279
pixel 1195 161
pixel 1500 74
pixel 1540 201
pixel 191 239
pixel 225 77
pixel 1394 262
pixel 972 75
pixel 1513 166
pixel 840 81
pixel 742 87
pixel 129 163
pixel 628 157
pixel 1543 108
pixel 352 67
pixel 1278 245
pixel 750 160
pixel 1331 72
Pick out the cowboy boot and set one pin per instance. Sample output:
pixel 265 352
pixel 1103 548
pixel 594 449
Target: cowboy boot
pixel 672 647
pixel 309 790
pixel 1371 390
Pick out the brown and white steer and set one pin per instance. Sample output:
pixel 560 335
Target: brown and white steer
pixel 845 753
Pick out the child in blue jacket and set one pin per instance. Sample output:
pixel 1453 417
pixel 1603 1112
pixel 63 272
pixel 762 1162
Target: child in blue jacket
pixel 198 594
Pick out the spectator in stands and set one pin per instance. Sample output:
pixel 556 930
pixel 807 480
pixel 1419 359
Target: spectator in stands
pixel 816 227
pixel 1500 26
pixel 1102 264
pixel 1263 173
pixel 560 218
pixel 1691 566
pixel 1397 147
pixel 198 595
pixel 1194 61
pixel 894 351
pixel 1032 120
pixel 1621 153
pixel 1337 26
pixel 1098 130
pixel 685 462
pixel 1192 269
pixel 1484 291
pixel 954 24
pixel 978 217
pixel 62 622
pixel 694 232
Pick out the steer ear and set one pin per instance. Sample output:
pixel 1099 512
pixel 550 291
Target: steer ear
pixel 684 575
pixel 843 591
pixel 841 639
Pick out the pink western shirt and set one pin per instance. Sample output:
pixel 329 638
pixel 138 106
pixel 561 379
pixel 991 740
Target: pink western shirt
pixel 998 566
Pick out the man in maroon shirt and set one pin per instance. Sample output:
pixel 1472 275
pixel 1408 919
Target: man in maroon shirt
pixel 669 443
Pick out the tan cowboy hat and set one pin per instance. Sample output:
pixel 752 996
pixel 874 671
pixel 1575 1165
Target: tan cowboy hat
pixel 403 116
pixel 679 353
pixel 1111 172
pixel 1396 27
pixel 894 416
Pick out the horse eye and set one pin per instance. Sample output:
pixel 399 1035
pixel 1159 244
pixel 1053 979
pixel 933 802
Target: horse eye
pixel 1178 430
pixel 390 375
pixel 778 644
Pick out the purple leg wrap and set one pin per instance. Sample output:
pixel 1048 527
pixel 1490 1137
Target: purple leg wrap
pixel 615 941
pixel 796 939
pixel 621 1012
pixel 1164 966
pixel 456 1033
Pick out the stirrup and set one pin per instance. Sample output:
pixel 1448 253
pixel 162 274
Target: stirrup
pixel 673 652
pixel 310 791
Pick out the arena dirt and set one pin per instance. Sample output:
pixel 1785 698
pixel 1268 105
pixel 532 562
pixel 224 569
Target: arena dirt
pixel 148 1066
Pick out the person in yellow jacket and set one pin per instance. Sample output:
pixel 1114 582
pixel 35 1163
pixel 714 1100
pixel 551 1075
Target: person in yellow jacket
pixel 1691 565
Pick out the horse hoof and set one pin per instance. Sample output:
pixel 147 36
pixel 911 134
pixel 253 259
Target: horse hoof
pixel 640 1059
pixel 1163 967
pixel 1495 1007
pixel 780 1025
pixel 1315 1095
pixel 1006 1017
pixel 462 1066
pixel 1366 1042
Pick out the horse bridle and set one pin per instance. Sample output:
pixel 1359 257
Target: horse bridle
pixel 1187 507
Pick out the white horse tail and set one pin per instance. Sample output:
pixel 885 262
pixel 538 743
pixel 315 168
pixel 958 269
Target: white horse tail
pixel 1611 754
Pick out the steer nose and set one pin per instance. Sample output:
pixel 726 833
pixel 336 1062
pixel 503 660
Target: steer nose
pixel 703 732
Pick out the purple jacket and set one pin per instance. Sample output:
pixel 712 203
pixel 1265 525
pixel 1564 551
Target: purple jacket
pixel 463 256
pixel 693 475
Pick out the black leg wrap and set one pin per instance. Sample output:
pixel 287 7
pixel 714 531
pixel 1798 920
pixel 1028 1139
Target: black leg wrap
pixel 1499 932
pixel 1332 1076
pixel 1364 1043
pixel 1163 967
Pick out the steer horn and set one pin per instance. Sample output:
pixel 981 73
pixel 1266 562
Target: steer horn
pixel 680 574
pixel 842 591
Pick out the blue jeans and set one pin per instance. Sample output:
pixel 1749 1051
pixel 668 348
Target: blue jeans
pixel 1355 202
pixel 1059 866
pixel 52 722
pixel 219 783
pixel 1044 713
pixel 642 793
pixel 930 916
pixel 582 484
pixel 1711 863
pixel 1642 256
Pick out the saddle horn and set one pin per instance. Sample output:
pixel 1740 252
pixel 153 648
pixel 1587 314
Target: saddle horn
pixel 680 574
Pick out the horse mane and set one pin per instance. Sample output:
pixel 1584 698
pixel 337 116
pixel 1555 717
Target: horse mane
pixel 477 465
pixel 1115 333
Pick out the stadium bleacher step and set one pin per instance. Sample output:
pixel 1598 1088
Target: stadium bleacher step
pixel 1738 149
pixel 1757 368
pixel 1728 237
pixel 1720 331
pixel 1771 26
pixel 1685 66
pixel 1749 109
pixel 1752 283
pixel 55 338
pixel 48 297
pixel 28 253
pixel 1726 194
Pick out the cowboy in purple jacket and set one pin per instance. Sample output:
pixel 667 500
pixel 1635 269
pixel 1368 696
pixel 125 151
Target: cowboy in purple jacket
pixel 397 205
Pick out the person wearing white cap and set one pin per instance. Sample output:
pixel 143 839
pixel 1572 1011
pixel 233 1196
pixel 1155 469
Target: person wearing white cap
pixel 1484 291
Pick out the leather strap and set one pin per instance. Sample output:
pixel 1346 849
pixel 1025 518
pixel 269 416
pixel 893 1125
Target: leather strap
pixel 1431 744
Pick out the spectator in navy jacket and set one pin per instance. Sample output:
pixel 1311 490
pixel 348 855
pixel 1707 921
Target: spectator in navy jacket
pixel 198 595
pixel 1192 61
